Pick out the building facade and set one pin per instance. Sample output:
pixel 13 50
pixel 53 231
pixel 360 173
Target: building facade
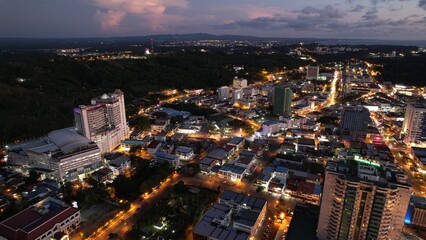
pixel 362 201
pixel 222 93
pixel 282 101
pixel 354 123
pixel 414 125
pixel 47 219
pixel 104 121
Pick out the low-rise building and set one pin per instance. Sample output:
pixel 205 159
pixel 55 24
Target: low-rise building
pixel 238 142
pixel 153 147
pixel 206 164
pixel 184 153
pixel 271 127
pixel 119 165
pixel 232 172
pixel 160 158
pixel 47 219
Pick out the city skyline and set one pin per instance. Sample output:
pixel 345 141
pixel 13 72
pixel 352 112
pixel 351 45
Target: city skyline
pixel 379 19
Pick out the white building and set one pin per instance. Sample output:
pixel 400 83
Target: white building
pixel 184 153
pixel 222 93
pixel 239 83
pixel 160 157
pixel 104 121
pixel 414 123
pixel 271 127
pixel 64 153
pixel 237 94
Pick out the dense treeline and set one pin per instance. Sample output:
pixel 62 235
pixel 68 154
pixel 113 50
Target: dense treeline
pixel 52 86
pixel 409 70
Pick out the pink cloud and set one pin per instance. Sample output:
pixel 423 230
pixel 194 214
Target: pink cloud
pixel 152 11
pixel 110 20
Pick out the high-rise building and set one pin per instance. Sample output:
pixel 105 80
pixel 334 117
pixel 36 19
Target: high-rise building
pixel 363 200
pixel 104 121
pixel 414 126
pixel 282 100
pixel 312 72
pixel 239 83
pixel 222 93
pixel 236 95
pixel 354 123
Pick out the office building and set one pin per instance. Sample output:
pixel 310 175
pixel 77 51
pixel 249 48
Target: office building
pixel 239 83
pixel 237 94
pixel 282 101
pixel 414 126
pixel 312 73
pixel 222 93
pixel 104 121
pixel 47 219
pixel 63 154
pixel 354 123
pixel 363 200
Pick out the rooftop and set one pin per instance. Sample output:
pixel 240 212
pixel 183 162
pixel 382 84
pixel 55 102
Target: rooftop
pixel 251 202
pixel 36 219
pixel 233 168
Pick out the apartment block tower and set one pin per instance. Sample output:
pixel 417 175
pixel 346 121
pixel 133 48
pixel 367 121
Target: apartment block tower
pixel 282 100
pixel 222 93
pixel 104 121
pixel 239 83
pixel 362 201
pixel 312 72
pixel 414 126
pixel 354 123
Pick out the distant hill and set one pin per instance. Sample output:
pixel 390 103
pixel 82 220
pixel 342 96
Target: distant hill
pixel 44 43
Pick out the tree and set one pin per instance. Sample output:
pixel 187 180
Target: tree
pixel 112 236
pixel 180 187
pixel 33 177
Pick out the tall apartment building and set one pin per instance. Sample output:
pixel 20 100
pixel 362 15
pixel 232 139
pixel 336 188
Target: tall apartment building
pixel 282 100
pixel 237 94
pixel 104 121
pixel 222 93
pixel 354 123
pixel 239 83
pixel 414 126
pixel 362 200
pixel 312 72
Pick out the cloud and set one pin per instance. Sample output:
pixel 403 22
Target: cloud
pixel 151 11
pixel 326 12
pixel 422 4
pixel 109 20
pixel 357 8
pixel 371 14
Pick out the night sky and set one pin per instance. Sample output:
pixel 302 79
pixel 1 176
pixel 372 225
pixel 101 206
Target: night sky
pixel 380 19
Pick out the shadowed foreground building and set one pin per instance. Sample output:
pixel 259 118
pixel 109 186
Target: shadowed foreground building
pixel 47 219
pixel 363 200
pixel 236 217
